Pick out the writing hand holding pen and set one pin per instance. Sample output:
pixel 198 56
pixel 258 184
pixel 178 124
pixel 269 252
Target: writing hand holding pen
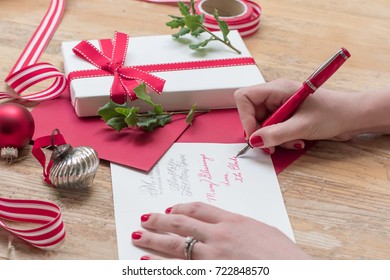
pixel 319 77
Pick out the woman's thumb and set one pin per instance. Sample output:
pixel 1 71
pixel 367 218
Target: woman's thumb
pixel 273 135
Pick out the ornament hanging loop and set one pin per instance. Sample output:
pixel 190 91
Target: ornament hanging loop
pixel 56 130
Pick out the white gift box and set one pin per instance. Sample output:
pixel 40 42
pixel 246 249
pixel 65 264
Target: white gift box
pixel 210 88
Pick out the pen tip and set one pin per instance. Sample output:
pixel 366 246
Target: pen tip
pixel 243 150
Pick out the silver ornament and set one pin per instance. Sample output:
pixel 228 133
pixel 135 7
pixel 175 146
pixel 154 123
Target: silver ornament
pixel 73 168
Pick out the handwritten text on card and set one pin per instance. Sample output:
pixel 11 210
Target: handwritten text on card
pixel 178 177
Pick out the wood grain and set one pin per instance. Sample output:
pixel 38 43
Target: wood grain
pixel 337 194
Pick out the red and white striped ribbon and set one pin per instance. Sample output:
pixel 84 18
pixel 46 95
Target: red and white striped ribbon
pixel 245 20
pixel 24 74
pixel 48 234
pixel 245 14
pixel 27 72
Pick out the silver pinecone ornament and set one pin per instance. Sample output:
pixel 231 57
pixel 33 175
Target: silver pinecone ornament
pixel 73 168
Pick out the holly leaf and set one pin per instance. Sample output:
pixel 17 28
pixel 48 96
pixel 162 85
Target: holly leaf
pixel 191 115
pixel 158 109
pixel 223 26
pixel 120 116
pixel 152 121
pixel 164 119
pixel 117 123
pixel 108 111
pixel 147 123
pixel 132 116
pixel 140 92
pixel 122 111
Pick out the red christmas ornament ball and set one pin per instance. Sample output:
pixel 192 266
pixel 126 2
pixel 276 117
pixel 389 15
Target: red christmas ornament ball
pixel 16 126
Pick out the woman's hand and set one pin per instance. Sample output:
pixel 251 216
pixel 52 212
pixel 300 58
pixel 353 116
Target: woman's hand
pixel 326 114
pixel 220 234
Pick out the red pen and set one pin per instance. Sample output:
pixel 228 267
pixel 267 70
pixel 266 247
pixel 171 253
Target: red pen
pixel 318 78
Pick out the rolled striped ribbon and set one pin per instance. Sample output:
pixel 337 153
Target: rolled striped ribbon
pixel 240 15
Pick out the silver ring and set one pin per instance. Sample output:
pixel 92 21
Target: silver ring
pixel 189 243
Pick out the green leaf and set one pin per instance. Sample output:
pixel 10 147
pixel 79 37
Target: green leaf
pixel 132 117
pixel 197 32
pixel 223 26
pixel 108 111
pixel 151 122
pixel 191 114
pixel 117 123
pixel 184 9
pixel 183 31
pixel 120 116
pixel 201 44
pixel 140 92
pixel 158 109
pixel 122 111
pixel 176 23
pixel 164 119
pixel 147 123
pixel 200 29
pixel 175 17
pixel 193 22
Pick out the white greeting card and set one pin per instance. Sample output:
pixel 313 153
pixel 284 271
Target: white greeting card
pixel 204 172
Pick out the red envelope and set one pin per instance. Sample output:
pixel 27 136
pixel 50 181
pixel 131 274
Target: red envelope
pixel 138 149
pixel 130 147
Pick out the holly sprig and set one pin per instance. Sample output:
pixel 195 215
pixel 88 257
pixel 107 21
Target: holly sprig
pixel 120 116
pixel 192 23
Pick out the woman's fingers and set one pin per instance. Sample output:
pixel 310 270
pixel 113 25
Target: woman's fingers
pixel 178 224
pixel 200 211
pixel 255 103
pixel 166 245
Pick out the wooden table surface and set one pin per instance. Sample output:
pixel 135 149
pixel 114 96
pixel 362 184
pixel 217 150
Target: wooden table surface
pixel 337 194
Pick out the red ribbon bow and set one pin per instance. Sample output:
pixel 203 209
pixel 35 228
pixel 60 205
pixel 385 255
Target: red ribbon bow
pixel 126 78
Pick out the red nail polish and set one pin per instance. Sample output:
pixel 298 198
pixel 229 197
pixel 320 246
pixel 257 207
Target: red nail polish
pixel 144 258
pixel 145 217
pixel 168 210
pixel 298 146
pixel 256 141
pixel 136 235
